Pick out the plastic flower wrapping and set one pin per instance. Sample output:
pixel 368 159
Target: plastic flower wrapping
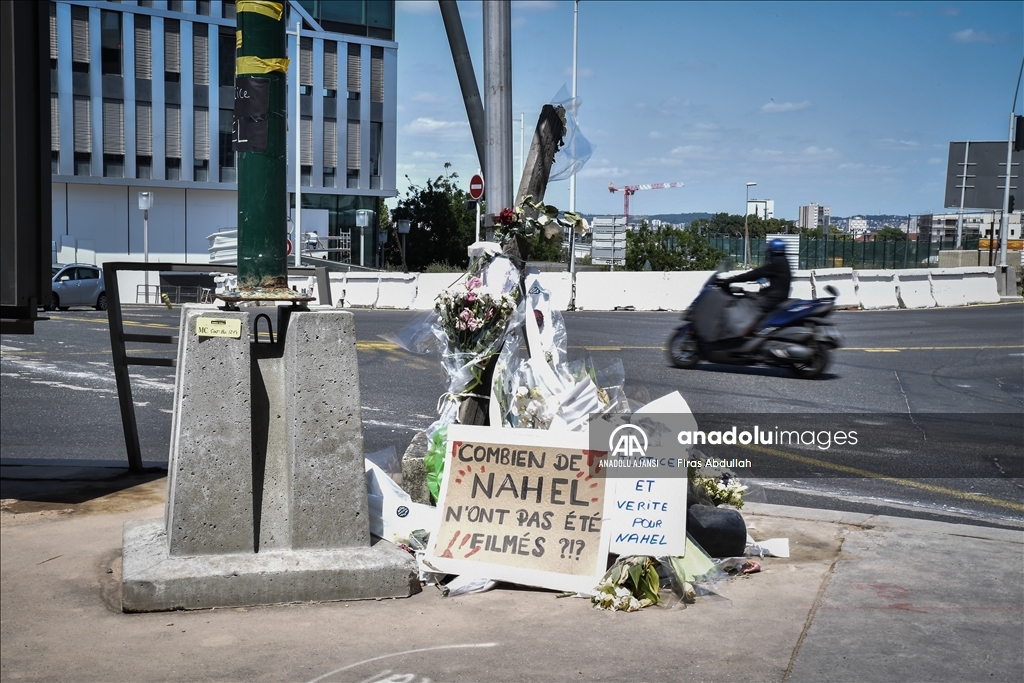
pixel 534 387
pixel 718 491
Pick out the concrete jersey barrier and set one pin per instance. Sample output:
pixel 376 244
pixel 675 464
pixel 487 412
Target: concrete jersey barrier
pixel 914 288
pixel 876 289
pixel 841 279
pixel 963 286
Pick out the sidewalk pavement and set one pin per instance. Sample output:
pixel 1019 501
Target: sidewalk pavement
pixel 862 598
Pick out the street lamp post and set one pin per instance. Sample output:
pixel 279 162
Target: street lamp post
pixel 146 203
pixel 746 229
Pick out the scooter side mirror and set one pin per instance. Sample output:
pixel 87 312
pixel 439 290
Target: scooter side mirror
pixel 832 290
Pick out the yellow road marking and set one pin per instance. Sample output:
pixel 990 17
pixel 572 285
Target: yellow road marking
pixel 893 480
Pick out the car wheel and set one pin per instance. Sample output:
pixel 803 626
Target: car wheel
pixel 682 349
pixel 101 303
pixel 815 365
pixel 54 301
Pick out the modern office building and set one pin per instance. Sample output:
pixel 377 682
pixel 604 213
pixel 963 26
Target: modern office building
pixel 857 225
pixel 813 216
pixel 142 97
pixel 762 208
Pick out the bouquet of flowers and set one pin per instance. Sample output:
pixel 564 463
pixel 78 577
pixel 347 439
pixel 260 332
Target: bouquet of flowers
pixel 718 491
pixel 531 218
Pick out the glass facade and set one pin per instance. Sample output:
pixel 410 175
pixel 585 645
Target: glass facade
pixel 152 104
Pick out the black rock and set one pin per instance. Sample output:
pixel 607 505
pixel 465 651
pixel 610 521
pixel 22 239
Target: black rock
pixel 720 531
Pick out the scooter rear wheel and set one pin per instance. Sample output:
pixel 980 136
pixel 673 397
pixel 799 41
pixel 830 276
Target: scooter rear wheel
pixel 815 365
pixel 682 349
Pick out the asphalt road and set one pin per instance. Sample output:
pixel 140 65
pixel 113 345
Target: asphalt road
pixel 60 401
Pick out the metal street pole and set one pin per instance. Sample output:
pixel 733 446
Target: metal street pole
pixel 261 67
pixel 497 21
pixel 1004 220
pixel 746 229
pixel 572 178
pixel 296 241
pixel 145 247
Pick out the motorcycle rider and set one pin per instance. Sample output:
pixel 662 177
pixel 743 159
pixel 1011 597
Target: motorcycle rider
pixel 775 270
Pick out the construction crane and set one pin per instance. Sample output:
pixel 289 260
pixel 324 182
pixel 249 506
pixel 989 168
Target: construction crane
pixel 631 189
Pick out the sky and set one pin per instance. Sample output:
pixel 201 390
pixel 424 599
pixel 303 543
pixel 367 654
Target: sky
pixel 850 105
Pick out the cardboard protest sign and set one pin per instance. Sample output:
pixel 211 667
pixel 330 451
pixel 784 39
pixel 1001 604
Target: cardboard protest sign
pixel 523 506
pixel 650 511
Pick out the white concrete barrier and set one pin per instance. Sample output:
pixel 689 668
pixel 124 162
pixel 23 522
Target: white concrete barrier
pixel 429 285
pixel 802 286
pixel 876 289
pixel 560 286
pixel 647 291
pixel 396 290
pixel 361 290
pixel 841 279
pixel 964 286
pixel 683 287
pixel 914 288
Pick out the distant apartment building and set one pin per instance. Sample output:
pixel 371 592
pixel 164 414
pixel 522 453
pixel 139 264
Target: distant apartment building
pixel 142 98
pixel 762 208
pixel 942 226
pixel 813 216
pixel 857 225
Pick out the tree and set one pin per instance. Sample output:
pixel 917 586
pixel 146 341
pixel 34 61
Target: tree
pixel 441 226
pixel 891 234
pixel 668 248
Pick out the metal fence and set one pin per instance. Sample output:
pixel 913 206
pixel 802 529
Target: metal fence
pixel 839 251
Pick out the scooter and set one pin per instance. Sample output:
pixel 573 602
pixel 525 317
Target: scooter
pixel 794 335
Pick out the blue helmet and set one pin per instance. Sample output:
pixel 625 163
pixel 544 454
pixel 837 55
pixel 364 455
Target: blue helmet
pixel 776 246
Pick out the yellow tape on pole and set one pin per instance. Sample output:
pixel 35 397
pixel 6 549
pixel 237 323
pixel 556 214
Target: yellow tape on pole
pixel 274 10
pixel 238 40
pixel 258 65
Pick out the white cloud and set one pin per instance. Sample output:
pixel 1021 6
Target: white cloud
pixel 697 152
pixel 433 127
pixel 969 35
pixel 604 172
pixel 851 166
pixel 814 150
pixel 779 107
pixel 416 6
pixel 770 153
pixel 890 143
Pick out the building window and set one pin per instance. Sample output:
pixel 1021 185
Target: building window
pixel 144 167
pixel 174 5
pixel 306 66
pixel 376 130
pixel 227 154
pixel 203 7
pixel 113 138
pixel 228 9
pixel 53 35
pixel 330 69
pixel 376 74
pixel 83 135
pixel 172 148
pixel 226 58
pixel 54 162
pixel 172 51
pixel 354 70
pixel 143 140
pixel 200 55
pixel 354 153
pixel 330 151
pixel 110 41
pixel 201 145
pixel 143 48
pixel 80 39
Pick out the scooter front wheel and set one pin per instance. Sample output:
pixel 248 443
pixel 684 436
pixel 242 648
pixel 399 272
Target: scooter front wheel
pixel 682 349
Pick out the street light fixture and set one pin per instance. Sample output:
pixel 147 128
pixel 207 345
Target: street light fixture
pixel 746 229
pixel 146 203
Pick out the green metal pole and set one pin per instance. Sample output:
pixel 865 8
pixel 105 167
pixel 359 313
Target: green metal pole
pixel 260 76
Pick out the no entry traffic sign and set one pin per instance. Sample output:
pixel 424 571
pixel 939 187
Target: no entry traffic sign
pixel 476 186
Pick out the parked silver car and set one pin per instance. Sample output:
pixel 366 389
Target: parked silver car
pixel 78 284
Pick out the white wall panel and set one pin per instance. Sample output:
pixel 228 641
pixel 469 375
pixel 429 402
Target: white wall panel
pixel 99 213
